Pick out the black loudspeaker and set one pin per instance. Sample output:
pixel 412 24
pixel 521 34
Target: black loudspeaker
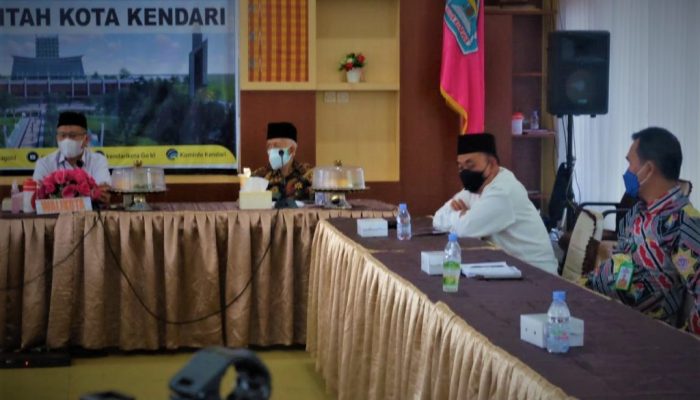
pixel 578 69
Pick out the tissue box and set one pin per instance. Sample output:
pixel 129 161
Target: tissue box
pixel 372 227
pixel 431 262
pixel 255 200
pixel 532 327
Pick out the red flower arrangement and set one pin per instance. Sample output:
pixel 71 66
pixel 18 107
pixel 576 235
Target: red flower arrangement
pixel 66 183
pixel 351 61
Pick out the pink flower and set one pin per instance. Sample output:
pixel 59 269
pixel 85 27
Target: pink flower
pixel 79 176
pixel 48 188
pixel 84 188
pixel 69 191
pixel 60 176
pixel 48 180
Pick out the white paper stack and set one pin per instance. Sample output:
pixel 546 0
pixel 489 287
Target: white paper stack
pixel 491 270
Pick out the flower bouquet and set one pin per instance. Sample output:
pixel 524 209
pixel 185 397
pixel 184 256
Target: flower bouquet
pixel 68 183
pixel 352 64
pixel 352 60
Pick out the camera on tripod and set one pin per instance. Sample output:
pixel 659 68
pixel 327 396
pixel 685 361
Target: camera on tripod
pixel 201 378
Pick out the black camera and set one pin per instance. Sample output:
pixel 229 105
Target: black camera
pixel 201 378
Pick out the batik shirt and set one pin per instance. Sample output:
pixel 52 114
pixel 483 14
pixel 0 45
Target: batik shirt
pixel 662 242
pixel 298 182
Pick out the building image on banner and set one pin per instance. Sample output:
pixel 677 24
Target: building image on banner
pixel 157 81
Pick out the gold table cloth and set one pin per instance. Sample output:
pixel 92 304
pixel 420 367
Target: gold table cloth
pixel 61 284
pixel 375 336
pixel 380 328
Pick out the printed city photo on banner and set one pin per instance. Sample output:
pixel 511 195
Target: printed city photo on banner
pixel 156 79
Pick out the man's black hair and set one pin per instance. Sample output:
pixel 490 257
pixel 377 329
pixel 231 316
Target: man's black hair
pixel 662 148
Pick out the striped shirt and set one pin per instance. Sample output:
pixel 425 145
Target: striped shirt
pixel 94 164
pixel 662 241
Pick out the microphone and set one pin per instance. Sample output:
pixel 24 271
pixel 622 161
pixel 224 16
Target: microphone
pixel 283 193
pixel 79 163
pixel 283 201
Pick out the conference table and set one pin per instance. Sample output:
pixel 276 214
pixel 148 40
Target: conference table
pixel 182 275
pixel 380 328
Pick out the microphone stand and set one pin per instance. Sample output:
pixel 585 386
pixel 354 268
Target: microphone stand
pixel 283 201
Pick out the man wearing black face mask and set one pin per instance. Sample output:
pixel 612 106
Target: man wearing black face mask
pixel 494 205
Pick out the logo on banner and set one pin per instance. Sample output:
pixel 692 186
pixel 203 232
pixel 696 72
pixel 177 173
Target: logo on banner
pixel 171 154
pixel 461 17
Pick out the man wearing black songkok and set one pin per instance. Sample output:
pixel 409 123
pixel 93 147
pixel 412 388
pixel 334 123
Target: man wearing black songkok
pixel 73 141
pixel 494 205
pixel 287 177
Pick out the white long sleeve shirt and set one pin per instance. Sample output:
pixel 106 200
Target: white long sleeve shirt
pixel 94 164
pixel 504 215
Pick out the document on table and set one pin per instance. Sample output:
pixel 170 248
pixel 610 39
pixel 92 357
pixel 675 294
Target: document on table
pixel 491 270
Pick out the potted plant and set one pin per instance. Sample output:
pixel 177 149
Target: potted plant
pixel 352 64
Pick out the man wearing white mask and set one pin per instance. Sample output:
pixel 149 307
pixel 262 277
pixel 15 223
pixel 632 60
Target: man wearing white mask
pixel 72 139
pixel 288 178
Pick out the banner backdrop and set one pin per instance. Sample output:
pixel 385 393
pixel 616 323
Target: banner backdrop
pixel 156 80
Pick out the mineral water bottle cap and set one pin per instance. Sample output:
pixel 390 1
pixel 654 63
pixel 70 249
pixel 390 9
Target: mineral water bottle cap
pixel 402 207
pixel 452 237
pixel 559 295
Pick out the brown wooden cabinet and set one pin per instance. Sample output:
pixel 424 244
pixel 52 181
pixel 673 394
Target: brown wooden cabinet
pixel 515 82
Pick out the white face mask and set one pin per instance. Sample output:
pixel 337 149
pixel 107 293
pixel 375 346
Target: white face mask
pixel 70 148
pixel 277 161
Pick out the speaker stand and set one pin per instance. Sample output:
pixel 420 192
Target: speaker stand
pixel 570 161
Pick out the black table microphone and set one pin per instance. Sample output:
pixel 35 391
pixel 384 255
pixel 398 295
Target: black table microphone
pixel 283 202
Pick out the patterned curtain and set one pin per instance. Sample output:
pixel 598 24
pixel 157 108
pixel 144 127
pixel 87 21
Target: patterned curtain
pixel 278 41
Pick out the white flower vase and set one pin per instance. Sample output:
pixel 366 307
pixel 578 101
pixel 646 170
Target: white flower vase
pixel 353 75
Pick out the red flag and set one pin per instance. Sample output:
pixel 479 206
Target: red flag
pixel 462 73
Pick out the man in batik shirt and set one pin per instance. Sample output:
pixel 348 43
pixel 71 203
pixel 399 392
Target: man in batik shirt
pixel 287 177
pixel 655 267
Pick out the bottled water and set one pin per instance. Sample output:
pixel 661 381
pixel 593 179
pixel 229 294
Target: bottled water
pixel 558 324
pixel 403 223
pixel 15 198
pixel 535 121
pixel 451 265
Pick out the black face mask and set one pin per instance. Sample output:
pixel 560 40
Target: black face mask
pixel 472 180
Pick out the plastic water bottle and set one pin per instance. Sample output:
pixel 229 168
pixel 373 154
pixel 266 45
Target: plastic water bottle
pixel 535 121
pixel 558 324
pixel 451 266
pixel 15 198
pixel 403 223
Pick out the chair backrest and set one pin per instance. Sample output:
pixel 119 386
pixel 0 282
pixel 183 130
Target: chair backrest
pixel 686 186
pixel 561 194
pixel 588 225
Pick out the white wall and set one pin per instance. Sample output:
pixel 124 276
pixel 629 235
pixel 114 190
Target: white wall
pixel 654 81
